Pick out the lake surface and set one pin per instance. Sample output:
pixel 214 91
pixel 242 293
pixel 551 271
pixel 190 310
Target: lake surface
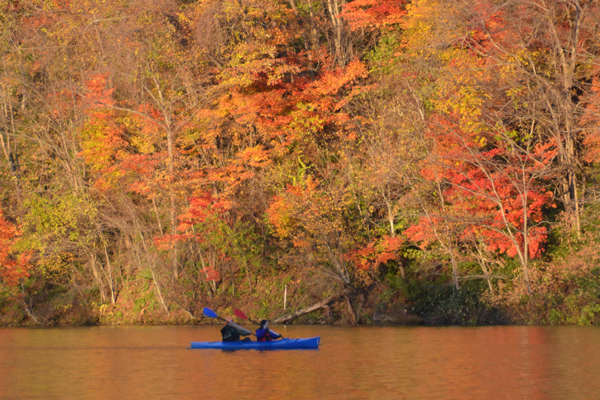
pixel 352 363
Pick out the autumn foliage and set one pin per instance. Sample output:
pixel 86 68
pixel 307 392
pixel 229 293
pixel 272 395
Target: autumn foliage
pixel 13 267
pixel 157 156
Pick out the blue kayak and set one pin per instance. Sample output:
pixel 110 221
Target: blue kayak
pixel 283 344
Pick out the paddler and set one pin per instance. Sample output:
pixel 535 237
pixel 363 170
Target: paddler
pixel 231 332
pixel 264 334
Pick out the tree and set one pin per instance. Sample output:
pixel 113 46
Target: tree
pixel 14 267
pixel 549 48
pixel 313 219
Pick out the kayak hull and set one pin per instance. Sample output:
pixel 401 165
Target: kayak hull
pixel 283 344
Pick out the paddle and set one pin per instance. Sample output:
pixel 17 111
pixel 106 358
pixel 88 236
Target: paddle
pixel 211 314
pixel 242 315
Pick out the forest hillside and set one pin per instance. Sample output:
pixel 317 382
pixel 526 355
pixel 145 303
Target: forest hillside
pixel 370 161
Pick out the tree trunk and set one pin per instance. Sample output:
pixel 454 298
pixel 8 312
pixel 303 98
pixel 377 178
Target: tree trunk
pixel 321 304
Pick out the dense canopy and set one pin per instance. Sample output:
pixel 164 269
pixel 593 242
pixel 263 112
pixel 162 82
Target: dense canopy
pixel 380 160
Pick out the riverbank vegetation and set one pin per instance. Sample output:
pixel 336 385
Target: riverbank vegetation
pixel 369 161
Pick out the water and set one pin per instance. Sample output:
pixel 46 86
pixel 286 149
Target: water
pixel 352 363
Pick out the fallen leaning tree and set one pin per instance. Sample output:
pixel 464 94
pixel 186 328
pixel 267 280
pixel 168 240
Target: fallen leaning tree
pixel 321 304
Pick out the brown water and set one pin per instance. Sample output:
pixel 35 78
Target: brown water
pixel 352 363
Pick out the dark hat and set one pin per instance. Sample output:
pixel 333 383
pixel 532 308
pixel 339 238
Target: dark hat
pixel 263 323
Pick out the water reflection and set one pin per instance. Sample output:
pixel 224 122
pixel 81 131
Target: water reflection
pixel 353 363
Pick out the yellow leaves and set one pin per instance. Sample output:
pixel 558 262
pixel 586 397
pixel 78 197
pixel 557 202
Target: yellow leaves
pixel 56 267
pixel 424 22
pixel 279 215
pixel 310 213
pixel 460 89
pixel 100 143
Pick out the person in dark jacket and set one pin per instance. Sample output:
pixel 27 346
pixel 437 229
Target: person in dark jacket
pixel 231 332
pixel 263 334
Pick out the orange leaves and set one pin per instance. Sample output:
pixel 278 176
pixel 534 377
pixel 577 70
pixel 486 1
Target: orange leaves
pixel 167 242
pixel 99 95
pixel 254 156
pixel 273 91
pixel 308 213
pixel 331 82
pixel 294 107
pixel 212 275
pixel 490 25
pixel 279 214
pixel 285 209
pixel 504 197
pixel 373 13
pixel 139 171
pixel 493 197
pixel 488 160
pixel 122 145
pixel 424 232
pixel 103 138
pixel 202 208
pixel 13 268
pixel 377 253
pixel 312 220
pixel 102 142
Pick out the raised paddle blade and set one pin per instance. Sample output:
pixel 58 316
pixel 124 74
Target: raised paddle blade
pixel 209 313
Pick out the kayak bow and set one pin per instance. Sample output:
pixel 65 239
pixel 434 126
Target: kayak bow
pixel 283 344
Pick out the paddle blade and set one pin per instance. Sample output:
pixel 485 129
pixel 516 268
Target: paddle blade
pixel 240 314
pixel 209 313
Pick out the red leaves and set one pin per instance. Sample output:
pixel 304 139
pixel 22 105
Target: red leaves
pixel 376 253
pixel 490 25
pixel 13 268
pixel 373 13
pixel 206 210
pixel 493 196
pixel 424 232
pixel 99 95
pixel 122 145
pixel 212 275
pixel 103 138
pixel 201 208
